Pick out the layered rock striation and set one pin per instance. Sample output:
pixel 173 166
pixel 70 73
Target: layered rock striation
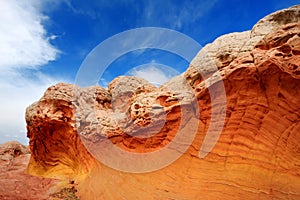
pixel 78 132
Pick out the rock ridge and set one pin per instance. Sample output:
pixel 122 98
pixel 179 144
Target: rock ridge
pixel 256 156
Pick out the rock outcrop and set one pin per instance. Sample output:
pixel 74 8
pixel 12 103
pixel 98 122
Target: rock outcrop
pixel 15 183
pixel 54 143
pixel 95 136
pixel 10 150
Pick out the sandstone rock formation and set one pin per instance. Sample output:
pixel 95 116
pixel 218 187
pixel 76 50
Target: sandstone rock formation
pixel 54 143
pixel 257 155
pixel 15 183
pixel 10 150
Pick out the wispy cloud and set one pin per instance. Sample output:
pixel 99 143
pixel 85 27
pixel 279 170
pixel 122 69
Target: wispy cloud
pixel 94 9
pixel 25 46
pixel 155 73
pixel 167 14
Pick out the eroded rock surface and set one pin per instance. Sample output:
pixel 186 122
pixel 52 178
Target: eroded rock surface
pixel 54 143
pixel 10 150
pixel 257 155
pixel 15 182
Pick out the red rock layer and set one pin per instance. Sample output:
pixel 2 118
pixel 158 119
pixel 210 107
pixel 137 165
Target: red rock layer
pixel 257 155
pixel 15 183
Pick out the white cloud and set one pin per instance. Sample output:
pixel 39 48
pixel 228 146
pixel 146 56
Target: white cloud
pixel 24 47
pixel 17 91
pixel 23 39
pixel 155 73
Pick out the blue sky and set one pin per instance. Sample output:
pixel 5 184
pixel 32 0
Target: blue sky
pixel 44 42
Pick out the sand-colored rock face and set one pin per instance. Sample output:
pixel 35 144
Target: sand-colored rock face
pixel 257 155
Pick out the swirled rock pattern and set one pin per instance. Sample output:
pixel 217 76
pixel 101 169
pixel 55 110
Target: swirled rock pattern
pixel 257 155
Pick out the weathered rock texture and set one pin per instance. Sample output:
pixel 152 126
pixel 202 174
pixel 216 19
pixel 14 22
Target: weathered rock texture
pixel 257 155
pixel 54 143
pixel 10 150
pixel 15 183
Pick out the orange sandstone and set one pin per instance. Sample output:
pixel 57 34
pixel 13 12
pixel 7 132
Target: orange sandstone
pixel 257 155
